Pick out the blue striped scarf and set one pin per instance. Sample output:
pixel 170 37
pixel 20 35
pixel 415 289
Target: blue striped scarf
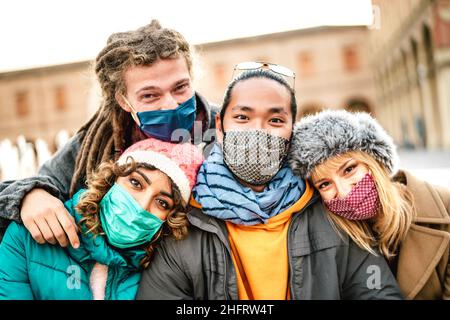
pixel 223 197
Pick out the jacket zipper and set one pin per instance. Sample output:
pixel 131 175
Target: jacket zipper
pixel 225 250
pixel 227 297
pixel 291 272
pixel 108 289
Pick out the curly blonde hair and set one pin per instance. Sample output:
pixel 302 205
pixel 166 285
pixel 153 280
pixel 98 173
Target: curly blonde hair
pixel 102 180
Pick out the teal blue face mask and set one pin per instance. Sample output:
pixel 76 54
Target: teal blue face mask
pixel 161 124
pixel 125 222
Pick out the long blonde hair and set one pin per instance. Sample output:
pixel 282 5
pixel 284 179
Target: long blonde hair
pixel 396 213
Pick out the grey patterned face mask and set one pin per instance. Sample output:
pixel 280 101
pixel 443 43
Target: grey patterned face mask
pixel 254 156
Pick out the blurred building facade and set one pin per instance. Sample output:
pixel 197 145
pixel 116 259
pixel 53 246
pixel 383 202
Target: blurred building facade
pixel 410 42
pixel 398 70
pixel 332 65
pixel 38 103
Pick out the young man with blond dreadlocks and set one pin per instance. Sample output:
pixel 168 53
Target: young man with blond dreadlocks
pixel 146 81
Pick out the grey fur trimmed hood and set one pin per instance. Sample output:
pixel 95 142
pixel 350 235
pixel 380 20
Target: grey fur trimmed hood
pixel 326 134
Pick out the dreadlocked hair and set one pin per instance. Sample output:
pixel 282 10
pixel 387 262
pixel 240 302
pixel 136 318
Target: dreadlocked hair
pixel 109 131
pixel 101 181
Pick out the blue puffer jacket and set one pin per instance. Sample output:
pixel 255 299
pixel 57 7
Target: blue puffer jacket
pixel 29 270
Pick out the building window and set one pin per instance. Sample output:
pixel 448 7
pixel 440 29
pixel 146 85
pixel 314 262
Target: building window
pixel 60 98
pixel 306 64
pixel 22 104
pixel 351 59
pixel 357 105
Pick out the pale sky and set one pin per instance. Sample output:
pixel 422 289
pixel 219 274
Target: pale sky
pixel 46 32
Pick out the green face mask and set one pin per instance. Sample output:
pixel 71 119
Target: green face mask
pixel 125 222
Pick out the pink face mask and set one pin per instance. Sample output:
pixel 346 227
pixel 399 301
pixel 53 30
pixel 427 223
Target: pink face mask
pixel 361 203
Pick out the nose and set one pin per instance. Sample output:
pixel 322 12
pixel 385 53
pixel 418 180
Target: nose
pixel 145 201
pixel 343 188
pixel 258 125
pixel 169 102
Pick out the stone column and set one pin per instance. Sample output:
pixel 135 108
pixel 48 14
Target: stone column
pixel 406 116
pixel 392 106
pixel 443 80
pixel 441 36
pixel 415 100
pixel 428 88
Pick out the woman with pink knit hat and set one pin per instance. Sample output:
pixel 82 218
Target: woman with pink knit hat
pixel 128 207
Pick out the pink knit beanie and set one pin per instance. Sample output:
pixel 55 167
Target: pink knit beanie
pixel 179 161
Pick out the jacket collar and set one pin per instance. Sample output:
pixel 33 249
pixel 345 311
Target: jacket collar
pixel 420 253
pixel 423 247
pixel 205 112
pixel 429 206
pixel 311 232
pixel 207 223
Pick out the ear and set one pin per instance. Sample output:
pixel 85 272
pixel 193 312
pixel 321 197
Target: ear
pixel 219 132
pixel 120 100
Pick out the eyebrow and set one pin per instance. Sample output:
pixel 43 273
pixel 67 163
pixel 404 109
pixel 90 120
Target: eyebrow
pixel 181 81
pixel 158 88
pixel 278 110
pixel 148 88
pixel 250 109
pixel 243 108
pixel 319 181
pixel 144 177
pixel 164 193
pixel 341 167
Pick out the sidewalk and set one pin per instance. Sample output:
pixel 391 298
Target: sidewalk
pixel 432 166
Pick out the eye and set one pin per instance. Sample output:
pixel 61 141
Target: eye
pixel 241 117
pixel 148 96
pixel 182 87
pixel 277 120
pixel 135 183
pixel 349 169
pixel 163 204
pixel 323 185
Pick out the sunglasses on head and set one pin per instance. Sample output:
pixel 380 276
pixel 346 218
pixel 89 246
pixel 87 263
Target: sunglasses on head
pixel 253 65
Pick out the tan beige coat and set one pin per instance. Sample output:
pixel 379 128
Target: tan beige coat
pixel 423 264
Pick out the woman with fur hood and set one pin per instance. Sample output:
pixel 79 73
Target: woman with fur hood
pixel 352 161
